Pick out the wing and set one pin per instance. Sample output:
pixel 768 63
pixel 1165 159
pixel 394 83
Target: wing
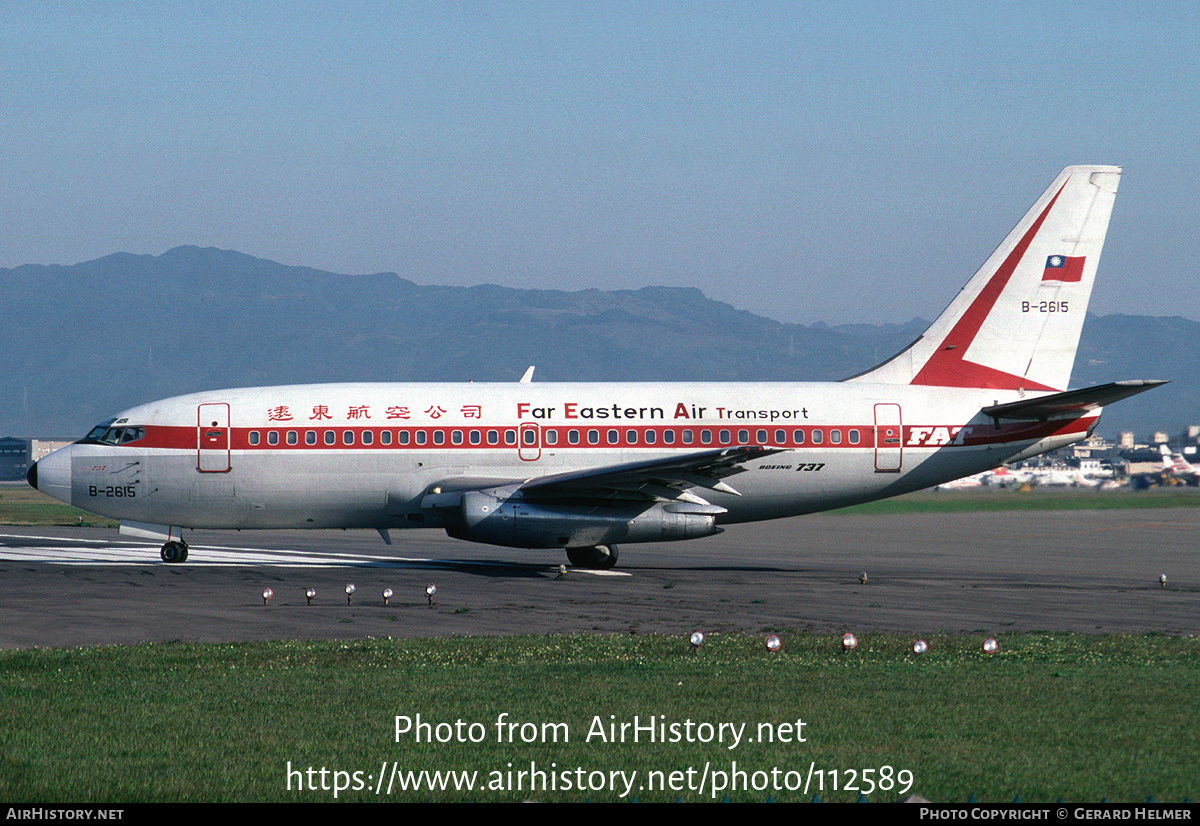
pixel 670 478
pixel 667 478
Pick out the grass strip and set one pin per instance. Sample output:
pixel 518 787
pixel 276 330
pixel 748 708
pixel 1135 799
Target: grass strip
pixel 1049 716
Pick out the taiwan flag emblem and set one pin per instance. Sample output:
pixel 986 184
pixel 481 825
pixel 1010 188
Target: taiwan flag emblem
pixel 1063 268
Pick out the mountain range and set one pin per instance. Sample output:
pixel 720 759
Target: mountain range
pixel 83 342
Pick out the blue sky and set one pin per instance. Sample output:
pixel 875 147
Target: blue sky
pixel 806 161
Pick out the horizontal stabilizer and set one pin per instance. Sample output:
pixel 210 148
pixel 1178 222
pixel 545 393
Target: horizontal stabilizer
pixel 1071 401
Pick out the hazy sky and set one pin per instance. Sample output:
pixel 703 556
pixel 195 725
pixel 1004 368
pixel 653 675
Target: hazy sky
pixel 806 161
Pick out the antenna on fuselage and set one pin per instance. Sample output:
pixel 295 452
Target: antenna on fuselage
pixel 528 377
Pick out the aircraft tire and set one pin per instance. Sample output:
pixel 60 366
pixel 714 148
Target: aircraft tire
pixel 174 552
pixel 595 557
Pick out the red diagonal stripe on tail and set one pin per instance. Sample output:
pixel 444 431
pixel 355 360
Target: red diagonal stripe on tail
pixel 946 367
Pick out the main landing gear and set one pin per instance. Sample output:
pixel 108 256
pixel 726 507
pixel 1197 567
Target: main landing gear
pixel 174 551
pixel 595 557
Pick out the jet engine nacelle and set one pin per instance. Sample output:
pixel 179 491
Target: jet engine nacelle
pixel 521 523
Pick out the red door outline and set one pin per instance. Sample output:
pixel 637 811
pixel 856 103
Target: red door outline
pixel 529 441
pixel 889 438
pixel 212 438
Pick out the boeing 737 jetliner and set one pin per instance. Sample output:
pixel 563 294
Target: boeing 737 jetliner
pixel 587 466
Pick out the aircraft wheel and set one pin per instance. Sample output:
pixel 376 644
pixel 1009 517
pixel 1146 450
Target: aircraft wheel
pixel 174 552
pixel 596 558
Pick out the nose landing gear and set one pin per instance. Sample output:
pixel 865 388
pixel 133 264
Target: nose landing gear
pixel 174 552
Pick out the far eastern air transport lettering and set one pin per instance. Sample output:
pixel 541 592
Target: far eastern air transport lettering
pixel 585 467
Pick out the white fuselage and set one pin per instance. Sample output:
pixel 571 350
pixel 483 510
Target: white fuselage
pixel 370 455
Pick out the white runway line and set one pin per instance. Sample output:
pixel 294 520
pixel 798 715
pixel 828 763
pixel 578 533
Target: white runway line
pixel 213 556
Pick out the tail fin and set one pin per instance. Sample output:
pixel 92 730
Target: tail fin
pixel 1174 462
pixel 1016 324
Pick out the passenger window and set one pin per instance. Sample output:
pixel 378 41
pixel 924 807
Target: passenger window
pixel 310 437
pixel 368 437
pixel 724 434
pixel 293 437
pixel 835 437
pixel 493 437
pixel 817 437
pixel 550 436
pixel 631 437
pixel 272 437
pixel 510 437
pixel 593 437
pixel 613 436
pixel 853 434
pixel 706 437
pixel 668 437
pixel 330 437
pixel 347 437
pixel 780 437
pixel 385 437
pixel 475 437
pixel 253 439
pixel 456 437
pixel 650 437
pixel 439 437
pixel 419 437
pixel 573 436
pixel 687 437
pixel 402 437
pixel 798 435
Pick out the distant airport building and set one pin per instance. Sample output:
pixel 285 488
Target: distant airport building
pixel 14 458
pixel 39 448
pixel 16 455
pixel 1091 446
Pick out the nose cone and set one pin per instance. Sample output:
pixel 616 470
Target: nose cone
pixel 52 475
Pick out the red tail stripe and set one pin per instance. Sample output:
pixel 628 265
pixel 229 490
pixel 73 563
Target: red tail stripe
pixel 946 367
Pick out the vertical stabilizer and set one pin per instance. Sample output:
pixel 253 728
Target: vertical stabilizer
pixel 1016 324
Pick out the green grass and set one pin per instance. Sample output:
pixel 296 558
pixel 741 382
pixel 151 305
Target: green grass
pixel 1048 716
pixel 22 505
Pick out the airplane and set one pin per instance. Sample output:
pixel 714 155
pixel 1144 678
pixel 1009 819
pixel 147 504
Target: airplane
pixel 585 466
pixel 1179 467
pixel 1006 477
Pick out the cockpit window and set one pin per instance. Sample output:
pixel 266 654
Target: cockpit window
pixel 96 432
pixel 107 434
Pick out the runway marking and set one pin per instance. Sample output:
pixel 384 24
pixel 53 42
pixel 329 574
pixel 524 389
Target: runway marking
pixel 112 554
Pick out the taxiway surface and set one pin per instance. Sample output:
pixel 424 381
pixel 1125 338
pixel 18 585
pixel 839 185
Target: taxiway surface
pixel 1087 571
